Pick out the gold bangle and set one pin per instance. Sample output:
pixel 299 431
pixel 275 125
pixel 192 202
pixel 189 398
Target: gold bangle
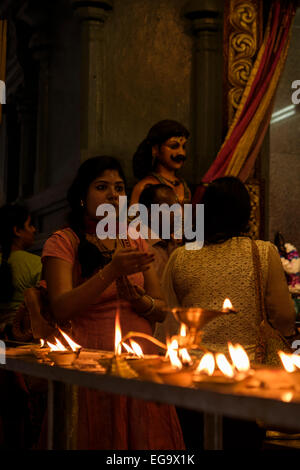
pixel 150 309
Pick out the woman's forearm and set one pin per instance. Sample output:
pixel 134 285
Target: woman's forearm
pixel 74 302
pixel 150 308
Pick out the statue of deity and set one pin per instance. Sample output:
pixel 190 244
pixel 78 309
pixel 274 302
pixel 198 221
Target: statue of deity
pixel 159 157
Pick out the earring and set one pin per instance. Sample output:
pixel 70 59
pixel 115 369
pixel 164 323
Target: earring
pixel 81 203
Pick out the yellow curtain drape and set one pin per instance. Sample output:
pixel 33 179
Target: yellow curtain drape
pixel 243 141
pixel 247 147
pixel 245 144
pixel 250 81
pixel 3 45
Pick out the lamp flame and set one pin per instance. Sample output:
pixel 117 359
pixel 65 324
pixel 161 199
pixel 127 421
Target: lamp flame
pixel 60 345
pixel 287 397
pixel 42 343
pixel 137 348
pixel 296 360
pixel 172 345
pixel 172 353
pixel 227 305
pixel 128 348
pixel 182 330
pixel 207 364
pixel 118 335
pixel 239 357
pixel 52 346
pixel 56 347
pixel 290 361
pixel 224 365
pixel 184 356
pixel 287 361
pixel 74 346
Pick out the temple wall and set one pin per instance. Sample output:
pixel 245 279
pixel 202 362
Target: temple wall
pixel 144 82
pixel 152 68
pixel 284 176
pixel 158 60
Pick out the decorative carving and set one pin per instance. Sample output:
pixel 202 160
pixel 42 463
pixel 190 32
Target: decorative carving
pixel 243 45
pixel 243 25
pixel 253 188
pixel 243 15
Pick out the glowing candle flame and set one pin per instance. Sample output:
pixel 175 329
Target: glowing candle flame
pixel 136 348
pixel 128 348
pixel 172 345
pixel 296 360
pixel 74 346
pixel 184 356
pixel 287 397
pixel 287 361
pixel 182 330
pixel 239 357
pixel 173 354
pixel 42 343
pixel 227 305
pixel 60 345
pixel 207 364
pixel 118 336
pixel 52 347
pixel 224 365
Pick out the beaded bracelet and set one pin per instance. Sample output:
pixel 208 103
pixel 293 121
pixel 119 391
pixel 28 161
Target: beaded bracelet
pixel 150 309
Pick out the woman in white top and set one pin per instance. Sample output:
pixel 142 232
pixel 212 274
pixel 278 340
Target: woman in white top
pixel 224 268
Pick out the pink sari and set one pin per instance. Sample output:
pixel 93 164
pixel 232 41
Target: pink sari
pixel 108 421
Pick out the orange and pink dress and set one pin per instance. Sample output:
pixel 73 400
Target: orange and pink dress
pixel 109 421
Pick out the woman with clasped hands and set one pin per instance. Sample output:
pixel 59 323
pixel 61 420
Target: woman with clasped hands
pixel 89 280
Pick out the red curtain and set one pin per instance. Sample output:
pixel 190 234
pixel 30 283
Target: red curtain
pixel 245 136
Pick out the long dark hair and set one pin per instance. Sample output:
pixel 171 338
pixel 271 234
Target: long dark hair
pixel 90 258
pixel 158 134
pixel 226 209
pixel 11 215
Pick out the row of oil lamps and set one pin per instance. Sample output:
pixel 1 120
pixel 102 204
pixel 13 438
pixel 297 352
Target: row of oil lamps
pixel 212 367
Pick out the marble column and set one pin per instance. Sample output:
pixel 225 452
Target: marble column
pixel 93 15
pixel 206 17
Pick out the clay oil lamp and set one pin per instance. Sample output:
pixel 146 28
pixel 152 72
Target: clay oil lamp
pixel 60 355
pixel 216 369
pixel 175 372
pixel 41 351
pixel 286 378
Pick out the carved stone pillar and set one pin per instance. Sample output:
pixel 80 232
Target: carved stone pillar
pixel 206 19
pixel 93 15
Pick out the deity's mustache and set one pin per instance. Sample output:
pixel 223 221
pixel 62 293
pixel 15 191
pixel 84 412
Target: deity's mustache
pixel 178 158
